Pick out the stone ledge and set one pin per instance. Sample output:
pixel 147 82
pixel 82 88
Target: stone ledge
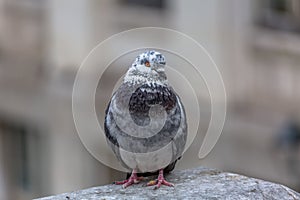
pixel 199 183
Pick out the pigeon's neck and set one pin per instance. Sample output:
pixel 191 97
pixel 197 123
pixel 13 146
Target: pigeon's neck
pixel 134 76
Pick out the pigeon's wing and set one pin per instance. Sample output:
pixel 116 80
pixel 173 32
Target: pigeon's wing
pixel 181 136
pixel 111 133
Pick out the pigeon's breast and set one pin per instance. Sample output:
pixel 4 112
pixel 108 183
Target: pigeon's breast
pixel 144 121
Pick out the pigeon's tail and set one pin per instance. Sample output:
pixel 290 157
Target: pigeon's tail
pixel 168 169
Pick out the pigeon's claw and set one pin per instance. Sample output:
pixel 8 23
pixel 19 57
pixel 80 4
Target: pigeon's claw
pixel 163 182
pixel 133 179
pixel 159 181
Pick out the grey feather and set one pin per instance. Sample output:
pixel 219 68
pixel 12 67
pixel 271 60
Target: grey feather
pixel 129 112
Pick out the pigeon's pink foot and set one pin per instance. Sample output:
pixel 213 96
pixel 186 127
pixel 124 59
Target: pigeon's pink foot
pixel 133 179
pixel 160 181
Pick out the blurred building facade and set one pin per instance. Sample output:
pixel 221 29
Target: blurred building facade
pixel 42 43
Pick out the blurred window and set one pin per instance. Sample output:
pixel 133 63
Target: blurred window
pixel 20 150
pixel 280 14
pixel 22 30
pixel 159 4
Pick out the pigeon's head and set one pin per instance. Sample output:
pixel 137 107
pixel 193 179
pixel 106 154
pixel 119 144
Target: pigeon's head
pixel 149 61
pixel 148 67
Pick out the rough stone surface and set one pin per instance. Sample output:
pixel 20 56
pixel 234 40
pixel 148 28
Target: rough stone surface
pixel 200 183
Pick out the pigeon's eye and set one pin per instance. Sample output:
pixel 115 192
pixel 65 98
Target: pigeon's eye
pixel 147 64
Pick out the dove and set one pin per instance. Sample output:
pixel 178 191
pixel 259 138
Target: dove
pixel 145 121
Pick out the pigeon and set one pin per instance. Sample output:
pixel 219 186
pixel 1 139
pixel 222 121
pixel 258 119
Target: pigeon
pixel 145 122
